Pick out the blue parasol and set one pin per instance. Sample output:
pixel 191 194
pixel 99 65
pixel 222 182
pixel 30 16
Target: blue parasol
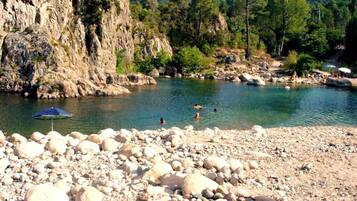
pixel 52 113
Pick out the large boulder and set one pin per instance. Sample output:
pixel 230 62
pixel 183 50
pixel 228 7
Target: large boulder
pixel 29 150
pixel 45 192
pixel 245 77
pixel 341 83
pixel 196 183
pixel 256 81
pixel 154 73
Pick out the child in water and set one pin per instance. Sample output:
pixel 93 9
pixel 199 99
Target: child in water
pixel 197 116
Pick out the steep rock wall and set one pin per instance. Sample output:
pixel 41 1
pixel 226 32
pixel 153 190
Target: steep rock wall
pixel 50 49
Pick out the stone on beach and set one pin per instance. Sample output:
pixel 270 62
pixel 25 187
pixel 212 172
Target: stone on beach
pixel 54 135
pixel 215 162
pixel 107 133
pixel 95 138
pixel 110 144
pixel 158 170
pixel 45 192
pixel 78 135
pixel 129 150
pixel 37 136
pixel 89 193
pixel 56 146
pixel 29 149
pixel 87 147
pixel 172 181
pixel 17 138
pixel 4 163
pixel 196 183
pixel 2 138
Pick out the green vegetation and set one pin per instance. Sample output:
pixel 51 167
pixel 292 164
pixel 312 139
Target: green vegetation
pixel 351 41
pixel 191 59
pixel 123 65
pixel 305 64
pixel 147 64
pixel 312 27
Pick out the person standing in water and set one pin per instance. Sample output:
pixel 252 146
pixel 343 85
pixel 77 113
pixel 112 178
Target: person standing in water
pixel 215 110
pixel 197 116
pixel 162 121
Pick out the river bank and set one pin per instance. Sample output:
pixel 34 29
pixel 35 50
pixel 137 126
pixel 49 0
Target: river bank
pixel 287 163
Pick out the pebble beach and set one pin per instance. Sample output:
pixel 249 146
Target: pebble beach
pixel 286 163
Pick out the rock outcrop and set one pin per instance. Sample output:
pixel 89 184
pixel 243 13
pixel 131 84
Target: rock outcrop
pixel 58 49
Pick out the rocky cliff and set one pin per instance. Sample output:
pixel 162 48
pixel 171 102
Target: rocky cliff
pixel 65 48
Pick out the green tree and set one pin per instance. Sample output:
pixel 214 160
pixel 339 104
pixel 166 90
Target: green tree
pixel 282 17
pixel 201 15
pixel 351 40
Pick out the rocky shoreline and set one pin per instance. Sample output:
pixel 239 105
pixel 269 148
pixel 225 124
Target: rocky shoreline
pixel 288 163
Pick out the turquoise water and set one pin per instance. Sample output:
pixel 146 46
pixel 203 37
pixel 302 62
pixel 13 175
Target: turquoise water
pixel 238 105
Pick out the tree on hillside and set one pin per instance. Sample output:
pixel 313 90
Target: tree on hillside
pixel 282 17
pixel 202 13
pixel 351 40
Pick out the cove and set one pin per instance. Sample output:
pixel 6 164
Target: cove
pixel 238 106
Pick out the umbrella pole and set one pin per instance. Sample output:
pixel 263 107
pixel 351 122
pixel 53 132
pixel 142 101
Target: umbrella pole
pixel 52 124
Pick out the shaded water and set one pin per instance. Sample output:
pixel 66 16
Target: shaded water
pixel 239 106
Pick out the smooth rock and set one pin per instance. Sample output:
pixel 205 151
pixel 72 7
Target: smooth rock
pixel 29 150
pixel 256 81
pixel 37 136
pixel 235 164
pixel 107 133
pixel 245 77
pixel 95 138
pixel 196 183
pixel 45 192
pixel 263 198
pixel 17 138
pixel 128 150
pixel 149 152
pixel 172 181
pixel 2 138
pixel 54 135
pixel 4 163
pixel 110 144
pixel 78 135
pixel 215 162
pixel 159 169
pixel 56 146
pixel 89 194
pixel 253 164
pixel 87 147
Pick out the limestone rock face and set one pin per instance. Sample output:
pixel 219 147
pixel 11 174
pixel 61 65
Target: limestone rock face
pixel 50 50
pixel 150 45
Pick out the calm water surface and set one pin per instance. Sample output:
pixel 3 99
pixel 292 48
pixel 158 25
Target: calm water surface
pixel 239 106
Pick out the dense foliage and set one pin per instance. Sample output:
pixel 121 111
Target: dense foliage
pixel 191 59
pixel 316 27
